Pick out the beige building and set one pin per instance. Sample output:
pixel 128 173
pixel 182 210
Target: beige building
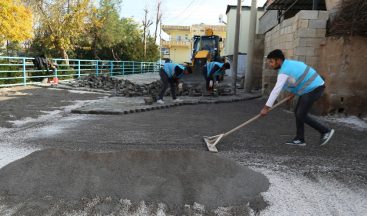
pixel 179 46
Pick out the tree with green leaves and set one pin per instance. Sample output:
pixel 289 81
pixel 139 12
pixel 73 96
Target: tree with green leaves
pixel 82 30
pixel 61 22
pixel 112 37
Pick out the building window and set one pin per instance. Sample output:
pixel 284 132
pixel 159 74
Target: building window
pixel 178 38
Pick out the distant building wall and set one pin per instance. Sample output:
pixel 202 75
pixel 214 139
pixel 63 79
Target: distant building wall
pixel 268 20
pixel 244 30
pixel 179 54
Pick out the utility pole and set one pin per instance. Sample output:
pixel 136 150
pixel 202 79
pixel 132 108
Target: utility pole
pixel 251 48
pixel 160 41
pixel 158 18
pixel 236 45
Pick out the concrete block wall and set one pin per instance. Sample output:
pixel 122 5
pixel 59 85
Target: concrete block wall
pixel 342 62
pixel 299 37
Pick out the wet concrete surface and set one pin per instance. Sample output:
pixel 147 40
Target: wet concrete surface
pixel 175 178
pixel 183 128
pixel 340 164
pixel 35 101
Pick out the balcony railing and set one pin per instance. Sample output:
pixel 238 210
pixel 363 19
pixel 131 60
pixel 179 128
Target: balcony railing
pixel 176 43
pixel 175 27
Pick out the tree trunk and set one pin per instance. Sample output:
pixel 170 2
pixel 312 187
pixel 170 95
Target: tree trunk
pixel 115 56
pixel 145 42
pixel 94 47
pixel 7 47
pixel 65 56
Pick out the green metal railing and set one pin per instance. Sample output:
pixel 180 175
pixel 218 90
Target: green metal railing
pixel 15 71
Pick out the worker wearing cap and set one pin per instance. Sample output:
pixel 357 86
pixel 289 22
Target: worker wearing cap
pixel 214 72
pixel 299 79
pixel 171 74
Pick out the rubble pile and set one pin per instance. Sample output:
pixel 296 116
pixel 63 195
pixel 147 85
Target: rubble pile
pixel 120 87
pixel 126 88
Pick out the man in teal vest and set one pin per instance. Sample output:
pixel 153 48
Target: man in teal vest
pixel 171 74
pixel 299 79
pixel 214 72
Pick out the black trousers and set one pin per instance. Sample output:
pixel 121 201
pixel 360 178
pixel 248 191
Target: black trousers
pixel 207 79
pixel 303 106
pixel 166 80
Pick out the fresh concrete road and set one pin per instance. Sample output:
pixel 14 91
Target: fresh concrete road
pixel 311 180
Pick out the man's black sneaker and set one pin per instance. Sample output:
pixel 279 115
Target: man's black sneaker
pixel 326 137
pixel 296 142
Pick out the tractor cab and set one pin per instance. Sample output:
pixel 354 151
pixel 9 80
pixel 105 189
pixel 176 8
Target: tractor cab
pixel 206 48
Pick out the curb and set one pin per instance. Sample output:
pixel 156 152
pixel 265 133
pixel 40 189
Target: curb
pixel 146 109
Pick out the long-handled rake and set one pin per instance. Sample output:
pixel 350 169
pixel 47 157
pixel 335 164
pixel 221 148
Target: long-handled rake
pixel 212 141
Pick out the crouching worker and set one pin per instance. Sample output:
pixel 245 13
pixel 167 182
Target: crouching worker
pixel 213 72
pixel 171 74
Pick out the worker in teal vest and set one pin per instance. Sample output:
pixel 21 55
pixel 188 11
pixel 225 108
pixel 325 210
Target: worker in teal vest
pixel 300 80
pixel 171 74
pixel 214 72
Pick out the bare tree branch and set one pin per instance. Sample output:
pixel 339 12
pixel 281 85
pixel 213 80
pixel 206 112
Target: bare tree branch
pixel 146 24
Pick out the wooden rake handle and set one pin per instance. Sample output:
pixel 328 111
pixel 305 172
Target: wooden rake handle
pixel 255 117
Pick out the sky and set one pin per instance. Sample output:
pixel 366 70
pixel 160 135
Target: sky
pixel 181 12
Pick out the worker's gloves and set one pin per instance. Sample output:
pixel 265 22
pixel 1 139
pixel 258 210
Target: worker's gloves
pixel 211 84
pixel 216 84
pixel 180 86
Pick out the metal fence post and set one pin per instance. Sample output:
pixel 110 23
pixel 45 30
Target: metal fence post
pixel 24 72
pixel 78 68
pixel 133 67
pixel 123 68
pixel 97 72
pixel 56 71
pixel 141 67
pixel 111 68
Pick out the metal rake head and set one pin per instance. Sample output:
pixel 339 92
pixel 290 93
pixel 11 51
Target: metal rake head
pixel 212 141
